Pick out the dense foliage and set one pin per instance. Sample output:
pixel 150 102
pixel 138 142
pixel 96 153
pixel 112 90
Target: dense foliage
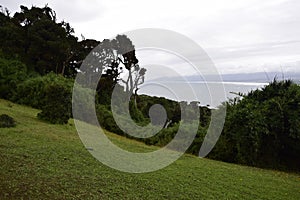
pixel 57 109
pixel 263 128
pixel 12 72
pixel 36 38
pixel 33 91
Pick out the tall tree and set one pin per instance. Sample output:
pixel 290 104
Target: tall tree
pixel 48 44
pixel 12 36
pixel 127 57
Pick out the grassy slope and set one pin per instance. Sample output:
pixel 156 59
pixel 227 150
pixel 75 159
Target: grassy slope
pixel 39 160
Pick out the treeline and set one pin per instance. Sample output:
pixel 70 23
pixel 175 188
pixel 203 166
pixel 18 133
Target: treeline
pixel 39 58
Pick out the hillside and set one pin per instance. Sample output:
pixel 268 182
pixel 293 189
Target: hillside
pixel 44 161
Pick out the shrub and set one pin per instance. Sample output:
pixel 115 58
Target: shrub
pixel 57 109
pixel 106 119
pixel 6 121
pixel 32 92
pixel 85 104
pixel 51 93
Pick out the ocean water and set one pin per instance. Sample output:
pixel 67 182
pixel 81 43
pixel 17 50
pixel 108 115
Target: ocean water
pixel 207 93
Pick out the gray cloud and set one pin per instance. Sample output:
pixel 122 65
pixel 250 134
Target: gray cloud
pixel 75 11
pixel 239 36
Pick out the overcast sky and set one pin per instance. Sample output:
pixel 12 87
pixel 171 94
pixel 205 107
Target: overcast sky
pixel 239 35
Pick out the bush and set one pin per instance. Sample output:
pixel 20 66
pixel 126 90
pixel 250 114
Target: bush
pixel 85 104
pixel 32 92
pixel 106 119
pixel 6 121
pixel 51 93
pixel 57 109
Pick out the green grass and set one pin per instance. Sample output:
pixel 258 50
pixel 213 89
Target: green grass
pixel 43 161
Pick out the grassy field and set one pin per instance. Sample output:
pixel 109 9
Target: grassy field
pixel 43 161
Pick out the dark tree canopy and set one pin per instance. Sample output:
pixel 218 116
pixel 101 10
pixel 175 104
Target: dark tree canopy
pixel 34 36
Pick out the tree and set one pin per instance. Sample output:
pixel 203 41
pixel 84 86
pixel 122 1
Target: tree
pixel 110 59
pixel 12 36
pixel 12 73
pixel 127 57
pixel 47 45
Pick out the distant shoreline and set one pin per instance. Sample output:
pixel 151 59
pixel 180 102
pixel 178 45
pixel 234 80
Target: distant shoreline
pixel 255 78
pixel 211 82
